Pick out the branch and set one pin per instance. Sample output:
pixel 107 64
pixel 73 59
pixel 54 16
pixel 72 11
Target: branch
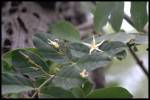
pixel 138 61
pixel 33 63
pixel 37 90
pixel 128 19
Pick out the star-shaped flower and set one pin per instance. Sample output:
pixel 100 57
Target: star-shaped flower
pixel 93 45
pixel 55 44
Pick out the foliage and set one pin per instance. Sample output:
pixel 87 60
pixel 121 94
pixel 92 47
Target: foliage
pixel 55 72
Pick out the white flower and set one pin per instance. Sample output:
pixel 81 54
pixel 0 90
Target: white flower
pixel 84 73
pixel 55 44
pixel 93 45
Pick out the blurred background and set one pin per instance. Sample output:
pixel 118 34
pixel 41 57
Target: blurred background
pixel 20 20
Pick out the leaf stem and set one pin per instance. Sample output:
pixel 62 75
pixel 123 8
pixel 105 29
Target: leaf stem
pixel 33 63
pixel 37 90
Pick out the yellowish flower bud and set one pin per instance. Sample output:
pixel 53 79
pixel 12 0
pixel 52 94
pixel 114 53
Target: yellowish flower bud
pixel 84 73
pixel 55 44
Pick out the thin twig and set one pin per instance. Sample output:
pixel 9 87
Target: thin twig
pixel 128 19
pixel 138 61
pixel 37 90
pixel 33 63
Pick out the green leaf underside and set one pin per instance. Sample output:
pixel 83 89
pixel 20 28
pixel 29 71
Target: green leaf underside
pixel 88 87
pixel 103 10
pixel 66 30
pixel 112 92
pixel 68 77
pixel 113 48
pixel 22 64
pixel 139 14
pixel 55 92
pixel 15 83
pixel 94 61
pixel 117 15
pixel 78 50
pixel 77 92
pixel 15 88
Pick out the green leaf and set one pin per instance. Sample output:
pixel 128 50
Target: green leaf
pixel 23 65
pixel 6 67
pixel 112 92
pixel 41 43
pixel 68 77
pixel 15 88
pixel 55 92
pixel 117 15
pixel 87 87
pixel 78 50
pixel 14 83
pixel 113 48
pixel 7 57
pixel 103 10
pixel 139 14
pixel 94 61
pixel 77 92
pixel 120 36
pixel 65 30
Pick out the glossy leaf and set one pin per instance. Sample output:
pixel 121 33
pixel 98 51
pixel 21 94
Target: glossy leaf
pixel 103 10
pixel 87 87
pixel 6 67
pixel 78 50
pixel 112 92
pixel 55 92
pixel 14 83
pixel 113 48
pixel 117 15
pixel 139 14
pixel 120 36
pixel 15 88
pixel 68 77
pixel 94 61
pixel 65 30
pixel 23 65
pixel 41 43
pixel 77 92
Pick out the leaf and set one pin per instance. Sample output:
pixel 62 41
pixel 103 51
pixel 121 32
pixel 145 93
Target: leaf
pixel 117 15
pixel 120 36
pixel 6 67
pixel 14 83
pixel 77 92
pixel 113 48
pixel 15 88
pixel 65 30
pixel 87 87
pixel 22 64
pixel 103 10
pixel 94 61
pixel 78 50
pixel 112 92
pixel 139 14
pixel 141 39
pixel 68 77
pixel 7 57
pixel 55 92
pixel 41 43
